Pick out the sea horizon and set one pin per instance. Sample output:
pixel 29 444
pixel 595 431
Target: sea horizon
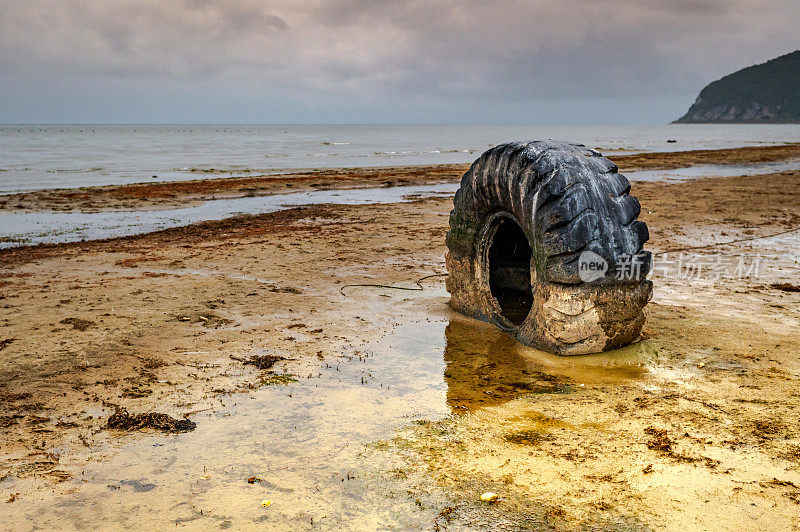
pixel 44 156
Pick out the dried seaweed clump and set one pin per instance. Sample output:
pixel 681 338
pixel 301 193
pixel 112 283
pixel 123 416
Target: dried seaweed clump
pixel 263 361
pixel 124 420
pixel 78 324
pixel 660 440
pixel 786 287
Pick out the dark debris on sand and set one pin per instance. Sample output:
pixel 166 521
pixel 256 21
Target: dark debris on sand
pixel 123 420
pixel 659 441
pixel 263 361
pixel 78 323
pixel 7 342
pixel 786 287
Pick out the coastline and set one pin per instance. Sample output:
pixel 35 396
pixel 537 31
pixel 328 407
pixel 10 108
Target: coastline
pixel 717 372
pixel 174 194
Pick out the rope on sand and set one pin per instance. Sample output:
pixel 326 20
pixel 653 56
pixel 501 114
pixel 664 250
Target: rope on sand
pixel 415 289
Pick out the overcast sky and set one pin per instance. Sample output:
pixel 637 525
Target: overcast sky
pixel 392 61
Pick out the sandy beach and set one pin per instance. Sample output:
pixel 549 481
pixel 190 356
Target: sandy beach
pixel 692 427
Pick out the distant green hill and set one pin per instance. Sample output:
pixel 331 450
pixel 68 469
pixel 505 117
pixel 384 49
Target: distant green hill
pixel 765 93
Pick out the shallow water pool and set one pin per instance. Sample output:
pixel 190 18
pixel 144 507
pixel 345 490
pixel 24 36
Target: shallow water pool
pixel 315 444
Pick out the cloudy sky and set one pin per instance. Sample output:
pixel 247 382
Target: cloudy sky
pixel 421 61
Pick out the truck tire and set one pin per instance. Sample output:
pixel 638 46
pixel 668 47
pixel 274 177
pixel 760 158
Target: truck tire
pixel 544 242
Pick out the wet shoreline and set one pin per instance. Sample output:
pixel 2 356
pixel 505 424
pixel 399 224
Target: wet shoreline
pixel 60 216
pixel 167 195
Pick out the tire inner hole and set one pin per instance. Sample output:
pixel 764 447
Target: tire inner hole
pixel 510 271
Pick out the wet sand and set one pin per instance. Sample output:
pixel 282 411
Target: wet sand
pixel 210 186
pixel 173 194
pixel 695 426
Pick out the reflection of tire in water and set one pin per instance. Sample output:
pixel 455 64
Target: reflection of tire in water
pixel 486 369
pixel 531 223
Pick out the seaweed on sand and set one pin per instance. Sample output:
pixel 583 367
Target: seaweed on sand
pixel 263 361
pixel 124 420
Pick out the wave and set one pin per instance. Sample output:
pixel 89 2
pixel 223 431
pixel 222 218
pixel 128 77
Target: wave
pixel 74 170
pixel 421 152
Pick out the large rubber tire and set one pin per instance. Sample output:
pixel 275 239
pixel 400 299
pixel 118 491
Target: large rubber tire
pixel 570 202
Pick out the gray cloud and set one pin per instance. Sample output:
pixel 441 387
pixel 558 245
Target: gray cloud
pixel 368 58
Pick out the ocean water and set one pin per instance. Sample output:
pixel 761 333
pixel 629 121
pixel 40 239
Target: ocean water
pixel 36 157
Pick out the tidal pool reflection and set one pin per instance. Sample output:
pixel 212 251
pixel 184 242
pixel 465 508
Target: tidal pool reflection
pixel 484 366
